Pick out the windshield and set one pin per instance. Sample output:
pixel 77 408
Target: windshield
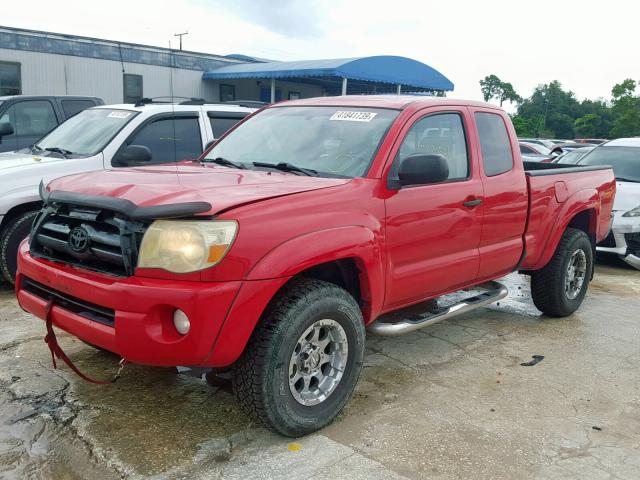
pixel 88 132
pixel 573 156
pixel 624 160
pixel 329 141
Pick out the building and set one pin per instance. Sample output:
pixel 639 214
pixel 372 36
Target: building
pixel 44 63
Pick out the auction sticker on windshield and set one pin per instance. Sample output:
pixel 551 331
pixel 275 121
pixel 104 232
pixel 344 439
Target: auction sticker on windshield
pixel 119 114
pixel 346 116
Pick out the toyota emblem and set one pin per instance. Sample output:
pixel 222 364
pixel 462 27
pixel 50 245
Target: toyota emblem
pixel 79 240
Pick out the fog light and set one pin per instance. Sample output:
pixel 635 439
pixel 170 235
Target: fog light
pixel 181 322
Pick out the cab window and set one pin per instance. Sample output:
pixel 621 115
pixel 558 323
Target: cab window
pixel 442 134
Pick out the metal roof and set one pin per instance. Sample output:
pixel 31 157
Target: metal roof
pixel 385 69
pixel 77 46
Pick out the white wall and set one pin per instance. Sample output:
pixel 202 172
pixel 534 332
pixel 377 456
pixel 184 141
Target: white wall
pixel 51 74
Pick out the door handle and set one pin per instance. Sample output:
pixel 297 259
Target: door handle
pixel 472 203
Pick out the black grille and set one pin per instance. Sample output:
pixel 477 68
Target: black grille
pixel 633 242
pixel 91 238
pixel 608 242
pixel 88 310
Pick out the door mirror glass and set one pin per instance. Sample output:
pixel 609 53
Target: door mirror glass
pixel 6 129
pixel 133 155
pixel 421 169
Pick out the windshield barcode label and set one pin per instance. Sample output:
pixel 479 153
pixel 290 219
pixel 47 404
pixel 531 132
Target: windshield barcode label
pixel 353 116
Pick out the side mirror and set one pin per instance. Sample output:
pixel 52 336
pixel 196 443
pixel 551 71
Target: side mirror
pixel 133 155
pixel 421 169
pixel 6 129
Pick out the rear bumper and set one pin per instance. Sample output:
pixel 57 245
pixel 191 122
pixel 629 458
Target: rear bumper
pixel 142 330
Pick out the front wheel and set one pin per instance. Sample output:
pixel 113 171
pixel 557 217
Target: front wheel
pixel 303 360
pixel 559 288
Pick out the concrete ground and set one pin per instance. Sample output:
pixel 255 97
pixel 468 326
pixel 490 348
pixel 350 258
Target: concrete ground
pixel 448 402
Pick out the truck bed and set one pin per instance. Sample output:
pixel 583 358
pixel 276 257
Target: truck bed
pixel 551 185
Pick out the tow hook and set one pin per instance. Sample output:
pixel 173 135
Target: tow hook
pixel 57 352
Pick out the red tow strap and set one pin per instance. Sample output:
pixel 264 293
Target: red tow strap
pixel 51 340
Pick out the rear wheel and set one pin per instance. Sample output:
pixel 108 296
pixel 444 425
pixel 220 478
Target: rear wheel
pixel 14 233
pixel 559 288
pixel 303 360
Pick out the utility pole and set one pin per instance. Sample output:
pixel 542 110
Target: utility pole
pixel 181 35
pixel 544 119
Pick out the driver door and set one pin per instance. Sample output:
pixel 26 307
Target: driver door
pixel 433 231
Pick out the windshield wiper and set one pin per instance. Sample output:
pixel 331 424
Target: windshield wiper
pixel 287 167
pixel 36 148
pixel 59 150
pixel 226 163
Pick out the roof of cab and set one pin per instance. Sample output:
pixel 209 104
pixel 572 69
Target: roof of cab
pixel 397 102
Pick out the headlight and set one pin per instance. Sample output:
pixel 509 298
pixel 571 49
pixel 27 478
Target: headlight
pixel 182 246
pixel 633 213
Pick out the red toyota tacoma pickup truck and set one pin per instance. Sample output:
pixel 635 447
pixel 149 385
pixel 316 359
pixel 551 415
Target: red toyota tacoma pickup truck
pixel 273 253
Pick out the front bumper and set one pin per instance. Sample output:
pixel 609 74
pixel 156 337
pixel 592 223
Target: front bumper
pixel 142 328
pixel 624 239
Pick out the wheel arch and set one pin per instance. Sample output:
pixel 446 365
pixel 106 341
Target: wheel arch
pixel 17 210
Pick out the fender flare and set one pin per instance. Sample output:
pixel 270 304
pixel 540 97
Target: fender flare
pixel 580 201
pixel 300 253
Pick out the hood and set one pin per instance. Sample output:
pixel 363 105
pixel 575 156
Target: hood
pixel 627 196
pixel 14 160
pixel 221 187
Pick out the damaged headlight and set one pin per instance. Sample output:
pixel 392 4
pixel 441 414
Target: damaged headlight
pixel 633 213
pixel 182 246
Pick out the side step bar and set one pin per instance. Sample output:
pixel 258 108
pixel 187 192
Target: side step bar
pixel 494 292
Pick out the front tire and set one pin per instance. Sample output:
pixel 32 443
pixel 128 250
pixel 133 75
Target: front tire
pixel 559 288
pixel 14 233
pixel 303 360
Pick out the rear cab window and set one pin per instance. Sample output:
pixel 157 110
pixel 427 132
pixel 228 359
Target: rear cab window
pixel 495 144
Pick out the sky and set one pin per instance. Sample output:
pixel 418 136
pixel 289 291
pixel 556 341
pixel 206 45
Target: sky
pixel 587 45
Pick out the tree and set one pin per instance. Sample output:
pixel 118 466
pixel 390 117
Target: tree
pixel 553 112
pixel 507 93
pixel 600 126
pixel 492 87
pixel 626 110
pixel 557 107
pixel 586 125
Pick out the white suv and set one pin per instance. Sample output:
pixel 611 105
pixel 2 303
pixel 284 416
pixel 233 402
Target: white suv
pixel 104 137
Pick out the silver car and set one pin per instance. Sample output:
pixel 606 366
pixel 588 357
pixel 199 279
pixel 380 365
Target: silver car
pixel 624 155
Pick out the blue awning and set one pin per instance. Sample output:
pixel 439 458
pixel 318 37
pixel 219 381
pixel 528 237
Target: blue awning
pixel 383 69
